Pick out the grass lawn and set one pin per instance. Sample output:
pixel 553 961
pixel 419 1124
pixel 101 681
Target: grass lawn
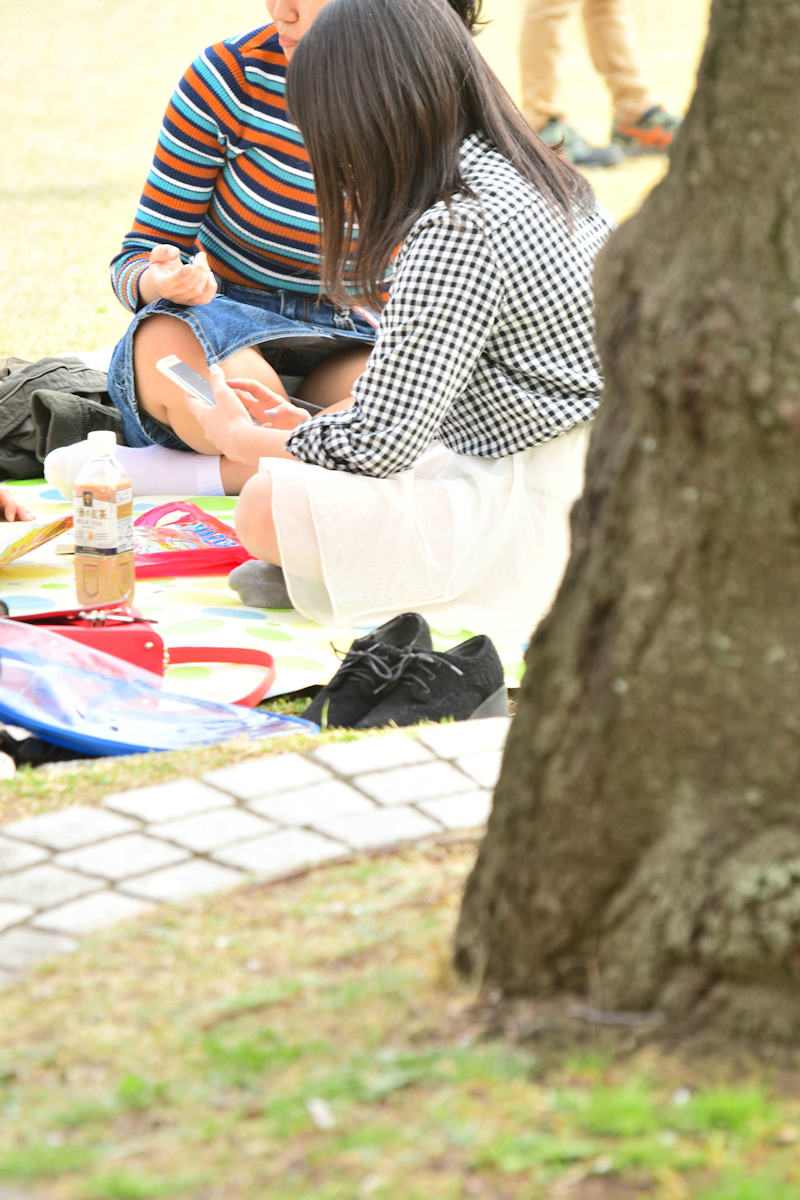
pixel 308 1040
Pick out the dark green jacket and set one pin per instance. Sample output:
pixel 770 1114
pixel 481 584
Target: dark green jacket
pixel 46 404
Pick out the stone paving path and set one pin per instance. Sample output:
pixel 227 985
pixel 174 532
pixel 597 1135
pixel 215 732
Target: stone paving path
pixel 67 873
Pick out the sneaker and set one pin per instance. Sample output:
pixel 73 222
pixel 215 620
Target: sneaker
pixel 467 681
pixel 651 134
pixel 575 148
pixel 369 668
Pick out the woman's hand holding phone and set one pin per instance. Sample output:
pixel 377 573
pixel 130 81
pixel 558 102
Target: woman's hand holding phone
pixel 229 423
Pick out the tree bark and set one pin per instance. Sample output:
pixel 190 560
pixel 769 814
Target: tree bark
pixel 644 845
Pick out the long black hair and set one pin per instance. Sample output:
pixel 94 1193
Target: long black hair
pixel 469 11
pixel 384 93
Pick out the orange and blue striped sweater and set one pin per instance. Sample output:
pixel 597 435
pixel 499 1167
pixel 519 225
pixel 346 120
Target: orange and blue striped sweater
pixel 230 176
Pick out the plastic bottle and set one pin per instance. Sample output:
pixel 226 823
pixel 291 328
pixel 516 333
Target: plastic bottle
pixel 103 510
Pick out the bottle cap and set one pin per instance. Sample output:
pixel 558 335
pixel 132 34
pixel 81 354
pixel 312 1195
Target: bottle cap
pixel 102 441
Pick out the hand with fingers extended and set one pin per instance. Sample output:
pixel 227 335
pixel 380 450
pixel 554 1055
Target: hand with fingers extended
pixel 267 407
pixel 229 424
pixel 168 278
pixel 11 509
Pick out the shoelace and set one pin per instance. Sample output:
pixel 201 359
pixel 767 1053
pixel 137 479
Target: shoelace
pixel 417 668
pixel 372 663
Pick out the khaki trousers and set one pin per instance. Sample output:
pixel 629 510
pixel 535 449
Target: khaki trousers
pixel 612 46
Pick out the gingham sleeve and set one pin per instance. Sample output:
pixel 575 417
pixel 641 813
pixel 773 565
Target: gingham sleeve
pixel 444 298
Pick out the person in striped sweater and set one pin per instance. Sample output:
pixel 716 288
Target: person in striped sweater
pixel 222 262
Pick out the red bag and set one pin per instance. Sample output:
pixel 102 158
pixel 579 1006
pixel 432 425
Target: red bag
pixel 180 539
pixel 123 632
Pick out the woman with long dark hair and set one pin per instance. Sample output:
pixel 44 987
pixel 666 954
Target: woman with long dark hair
pixel 448 475
pixel 221 264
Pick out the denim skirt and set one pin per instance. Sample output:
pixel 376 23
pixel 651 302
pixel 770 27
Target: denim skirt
pixel 295 333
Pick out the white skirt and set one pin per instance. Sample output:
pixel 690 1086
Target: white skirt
pixel 459 538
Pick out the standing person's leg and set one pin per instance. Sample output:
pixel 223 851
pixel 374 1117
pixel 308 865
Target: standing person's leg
pixel 543 43
pixel 542 46
pixel 641 124
pixel 612 45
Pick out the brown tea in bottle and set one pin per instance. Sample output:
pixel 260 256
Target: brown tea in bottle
pixel 103 516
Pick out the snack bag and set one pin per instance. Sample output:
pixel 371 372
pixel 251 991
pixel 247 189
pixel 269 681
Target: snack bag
pixel 178 538
pixel 33 537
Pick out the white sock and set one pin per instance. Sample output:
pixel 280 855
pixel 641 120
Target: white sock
pixel 153 470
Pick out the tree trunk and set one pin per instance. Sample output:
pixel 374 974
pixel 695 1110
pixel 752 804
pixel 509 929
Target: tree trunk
pixel 644 847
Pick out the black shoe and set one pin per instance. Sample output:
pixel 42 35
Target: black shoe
pixel 370 666
pixel 467 681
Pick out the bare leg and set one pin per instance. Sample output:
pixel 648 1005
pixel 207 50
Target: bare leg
pixel 254 523
pixel 234 475
pixel 164 400
pixel 332 381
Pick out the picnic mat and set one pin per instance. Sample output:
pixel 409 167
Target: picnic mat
pixel 202 610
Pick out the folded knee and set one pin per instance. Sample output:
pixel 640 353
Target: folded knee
pixel 255 527
pixel 156 337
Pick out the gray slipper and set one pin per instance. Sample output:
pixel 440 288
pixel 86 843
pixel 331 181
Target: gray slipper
pixel 260 585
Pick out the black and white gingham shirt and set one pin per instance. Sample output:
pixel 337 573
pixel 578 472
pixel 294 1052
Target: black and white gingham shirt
pixel 486 342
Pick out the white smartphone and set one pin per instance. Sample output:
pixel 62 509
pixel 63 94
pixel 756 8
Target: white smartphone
pixel 186 377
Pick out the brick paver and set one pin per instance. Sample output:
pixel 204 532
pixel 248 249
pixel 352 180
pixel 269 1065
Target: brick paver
pixel 196 877
pixel 281 853
pixel 465 737
pixel 169 801
pixel 132 854
pixel 13 914
pixel 405 785
pixel 213 829
pixel 14 855
pixel 67 873
pixel 469 810
pixel 384 827
pixel 97 911
pixel 69 827
pixel 45 886
pixel 483 766
pixel 308 805
pixel 23 947
pixel 267 776
pixel 372 754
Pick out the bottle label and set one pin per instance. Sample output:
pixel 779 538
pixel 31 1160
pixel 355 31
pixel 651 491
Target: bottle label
pixel 103 526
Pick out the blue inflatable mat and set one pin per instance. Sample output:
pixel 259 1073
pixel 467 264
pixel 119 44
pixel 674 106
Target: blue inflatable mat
pixel 96 704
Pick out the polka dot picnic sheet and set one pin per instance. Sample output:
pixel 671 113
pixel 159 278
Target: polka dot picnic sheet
pixel 202 610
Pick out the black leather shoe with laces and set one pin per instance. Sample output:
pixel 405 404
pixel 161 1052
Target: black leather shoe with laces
pixel 369 668
pixel 467 681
